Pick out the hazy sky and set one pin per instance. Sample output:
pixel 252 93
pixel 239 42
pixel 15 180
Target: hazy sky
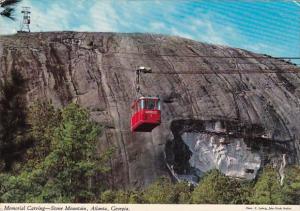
pixel 271 27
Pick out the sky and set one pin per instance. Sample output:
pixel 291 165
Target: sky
pixel 262 26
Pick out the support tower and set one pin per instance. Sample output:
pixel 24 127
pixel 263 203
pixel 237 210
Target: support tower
pixel 25 24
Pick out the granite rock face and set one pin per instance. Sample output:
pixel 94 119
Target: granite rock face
pixel 228 118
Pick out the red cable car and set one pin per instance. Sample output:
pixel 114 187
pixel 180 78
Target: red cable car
pixel 146 114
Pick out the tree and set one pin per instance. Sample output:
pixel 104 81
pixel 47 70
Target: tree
pixel 160 192
pixel 108 196
pixel 43 119
pixel 163 191
pixel 291 186
pixel 13 140
pixel 267 189
pixel 136 197
pixel 182 192
pixel 122 197
pixel 216 188
pixel 8 8
pixel 74 164
pixel 71 172
pixel 20 188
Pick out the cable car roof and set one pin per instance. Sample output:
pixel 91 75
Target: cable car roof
pixel 144 98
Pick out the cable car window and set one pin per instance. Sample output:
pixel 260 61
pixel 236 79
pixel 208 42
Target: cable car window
pixel 150 104
pixel 158 104
pixel 142 104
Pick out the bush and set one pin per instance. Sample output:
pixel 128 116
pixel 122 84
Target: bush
pixel 121 197
pixel 291 186
pixel 216 188
pixel 71 172
pixel 163 191
pixel 267 189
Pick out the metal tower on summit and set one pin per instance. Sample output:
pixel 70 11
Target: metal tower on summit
pixel 26 20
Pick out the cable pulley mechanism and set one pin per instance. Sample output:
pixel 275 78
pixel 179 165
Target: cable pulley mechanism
pixel 138 72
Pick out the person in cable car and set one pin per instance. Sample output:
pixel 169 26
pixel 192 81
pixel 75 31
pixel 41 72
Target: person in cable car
pixel 146 114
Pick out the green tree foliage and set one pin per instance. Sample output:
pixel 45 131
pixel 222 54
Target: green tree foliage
pixel 13 139
pixel 43 119
pixel 136 197
pixel 73 161
pixel 160 192
pixel 24 187
pixel 71 172
pixel 163 191
pixel 122 197
pixel 291 186
pixel 182 193
pixel 108 196
pixel 267 189
pixel 216 188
